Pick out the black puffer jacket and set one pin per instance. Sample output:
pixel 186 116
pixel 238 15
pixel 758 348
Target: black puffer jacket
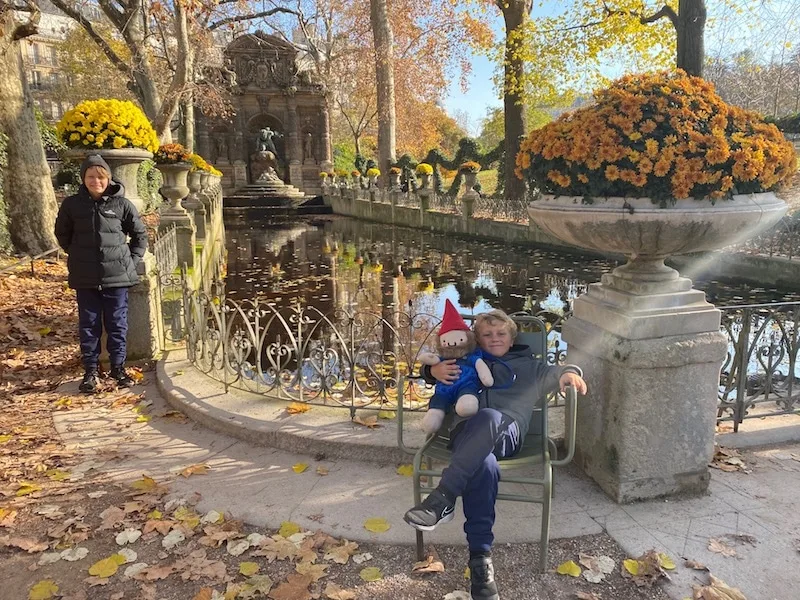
pixel 94 234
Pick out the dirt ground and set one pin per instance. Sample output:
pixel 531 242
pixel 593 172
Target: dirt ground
pixel 66 532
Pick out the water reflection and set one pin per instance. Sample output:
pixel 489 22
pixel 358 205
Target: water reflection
pixel 338 262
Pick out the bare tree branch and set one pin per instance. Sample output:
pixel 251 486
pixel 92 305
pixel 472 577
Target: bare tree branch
pixel 68 10
pixel 665 11
pixel 249 17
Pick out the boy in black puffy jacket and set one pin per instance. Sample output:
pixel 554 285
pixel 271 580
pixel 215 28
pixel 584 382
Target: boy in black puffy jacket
pixel 93 227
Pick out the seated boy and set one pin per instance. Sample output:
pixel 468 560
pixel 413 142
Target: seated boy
pixel 495 432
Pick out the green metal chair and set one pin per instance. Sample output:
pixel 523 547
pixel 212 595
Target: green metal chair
pixel 538 452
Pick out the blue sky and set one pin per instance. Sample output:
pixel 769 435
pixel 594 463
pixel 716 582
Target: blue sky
pixel 723 34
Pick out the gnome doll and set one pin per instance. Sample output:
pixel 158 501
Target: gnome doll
pixel 456 340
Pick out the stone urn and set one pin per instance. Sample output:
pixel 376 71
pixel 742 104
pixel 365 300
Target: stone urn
pixel 192 201
pixel 175 185
pixel 124 163
pixel 649 344
pixel 394 181
pixel 425 181
pixel 470 179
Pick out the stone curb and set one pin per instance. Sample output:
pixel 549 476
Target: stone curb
pixel 330 437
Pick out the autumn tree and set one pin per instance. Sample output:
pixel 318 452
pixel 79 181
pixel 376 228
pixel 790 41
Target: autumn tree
pixel 30 201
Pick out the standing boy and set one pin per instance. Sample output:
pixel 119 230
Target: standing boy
pixel 93 227
pixel 496 431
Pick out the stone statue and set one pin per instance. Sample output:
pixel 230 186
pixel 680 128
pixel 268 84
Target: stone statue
pixel 265 141
pixel 308 146
pixel 262 75
pixel 222 148
pixel 229 74
pixel 268 175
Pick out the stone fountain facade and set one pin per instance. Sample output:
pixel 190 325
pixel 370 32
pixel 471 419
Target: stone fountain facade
pixel 272 91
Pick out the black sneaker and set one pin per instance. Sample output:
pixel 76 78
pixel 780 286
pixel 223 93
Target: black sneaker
pixel 481 574
pixel 119 375
pixel 435 509
pixel 90 381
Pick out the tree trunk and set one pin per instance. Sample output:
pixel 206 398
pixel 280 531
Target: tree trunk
pixel 30 200
pixel 188 122
pixel 514 14
pixel 384 70
pixel 690 29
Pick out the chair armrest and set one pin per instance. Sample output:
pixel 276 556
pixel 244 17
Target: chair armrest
pixel 401 387
pixel 570 424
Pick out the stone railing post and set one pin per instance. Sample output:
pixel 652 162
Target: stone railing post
pixel 175 188
pixel 144 312
pixel 194 203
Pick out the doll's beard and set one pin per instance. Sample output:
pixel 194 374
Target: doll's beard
pixel 456 351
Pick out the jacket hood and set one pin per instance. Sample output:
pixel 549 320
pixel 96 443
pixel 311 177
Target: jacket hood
pixel 114 190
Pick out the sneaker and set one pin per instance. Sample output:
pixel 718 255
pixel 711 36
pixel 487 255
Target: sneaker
pixel 90 381
pixel 435 509
pixel 481 574
pixel 119 375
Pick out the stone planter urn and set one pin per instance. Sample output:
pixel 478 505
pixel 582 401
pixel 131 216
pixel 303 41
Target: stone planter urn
pixel 424 195
pixel 195 202
pixel 649 344
pixel 425 181
pixel 175 186
pixel 470 179
pixel 394 181
pixel 124 163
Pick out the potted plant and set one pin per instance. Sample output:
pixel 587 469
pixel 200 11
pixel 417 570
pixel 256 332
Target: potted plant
pixel 174 162
pixel 394 178
pixel 372 176
pixel 117 130
pixel 658 165
pixel 323 175
pixel 470 171
pixel 424 172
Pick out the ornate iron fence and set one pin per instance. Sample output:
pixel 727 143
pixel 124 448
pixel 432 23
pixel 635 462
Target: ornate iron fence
pixel 783 240
pixel 165 250
pixel 514 210
pixel 761 375
pixel 337 359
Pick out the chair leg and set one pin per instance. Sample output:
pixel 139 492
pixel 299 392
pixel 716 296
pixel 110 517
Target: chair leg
pixel 420 547
pixel 545 533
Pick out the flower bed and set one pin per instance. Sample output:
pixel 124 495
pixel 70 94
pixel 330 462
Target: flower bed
pixel 107 124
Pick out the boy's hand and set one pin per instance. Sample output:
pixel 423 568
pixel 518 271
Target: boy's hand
pixel 569 378
pixel 446 371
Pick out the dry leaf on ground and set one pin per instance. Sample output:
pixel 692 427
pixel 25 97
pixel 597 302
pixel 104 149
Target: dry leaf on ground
pixel 334 592
pixel 200 469
pixel 431 564
pixel 377 525
pixel 569 568
pixel 646 569
pixel 693 564
pixel 717 590
pixel 720 547
pixel 728 459
pixel 371 421
pixel 294 588
pixel 587 596
pixel 296 408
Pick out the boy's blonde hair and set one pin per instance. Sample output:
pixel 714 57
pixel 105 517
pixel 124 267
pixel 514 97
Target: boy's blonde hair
pixel 103 171
pixel 495 316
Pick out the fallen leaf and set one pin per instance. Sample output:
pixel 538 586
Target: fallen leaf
pixel 212 517
pixel 371 574
pixel 362 558
pixel 322 471
pixel 203 594
pixel 296 408
pixel 371 421
pixel 57 475
pixel 94 581
pixel 458 595
pixel 127 536
pixel 387 414
pixel 288 528
pixel 200 469
pixel 128 554
pixel 105 567
pixel 299 467
pixel 187 516
pixel 7 517
pixel 431 564
pixel 294 588
pixel 377 525
pixel 27 544
pixel 717 590
pixel 405 470
pixel 238 547
pixel 720 547
pixel 27 488
pixel 248 568
pixel 172 539
pixel 596 567
pixel 43 590
pixel 134 570
pixel 569 568
pixel 334 592
pixel 341 554
pixel 73 554
pixel 315 571
pixel 48 558
pixel 693 564
pixel 145 484
pixel 587 596
pixel 255 587
pixel 646 569
pixel 666 562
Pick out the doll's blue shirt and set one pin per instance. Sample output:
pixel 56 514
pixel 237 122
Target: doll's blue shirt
pixel 446 396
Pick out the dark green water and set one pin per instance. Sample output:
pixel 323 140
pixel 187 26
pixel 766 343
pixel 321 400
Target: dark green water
pixel 338 262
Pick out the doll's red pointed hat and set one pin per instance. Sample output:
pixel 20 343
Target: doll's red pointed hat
pixel 452 321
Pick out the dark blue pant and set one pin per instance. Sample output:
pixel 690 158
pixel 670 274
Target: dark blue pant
pixel 97 308
pixel 473 472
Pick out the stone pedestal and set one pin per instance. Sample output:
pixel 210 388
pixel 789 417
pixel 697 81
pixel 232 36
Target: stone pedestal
pixel 144 313
pixel 194 204
pixel 651 351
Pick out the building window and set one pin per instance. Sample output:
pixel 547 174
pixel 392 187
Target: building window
pixel 35 80
pixel 35 56
pixel 53 56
